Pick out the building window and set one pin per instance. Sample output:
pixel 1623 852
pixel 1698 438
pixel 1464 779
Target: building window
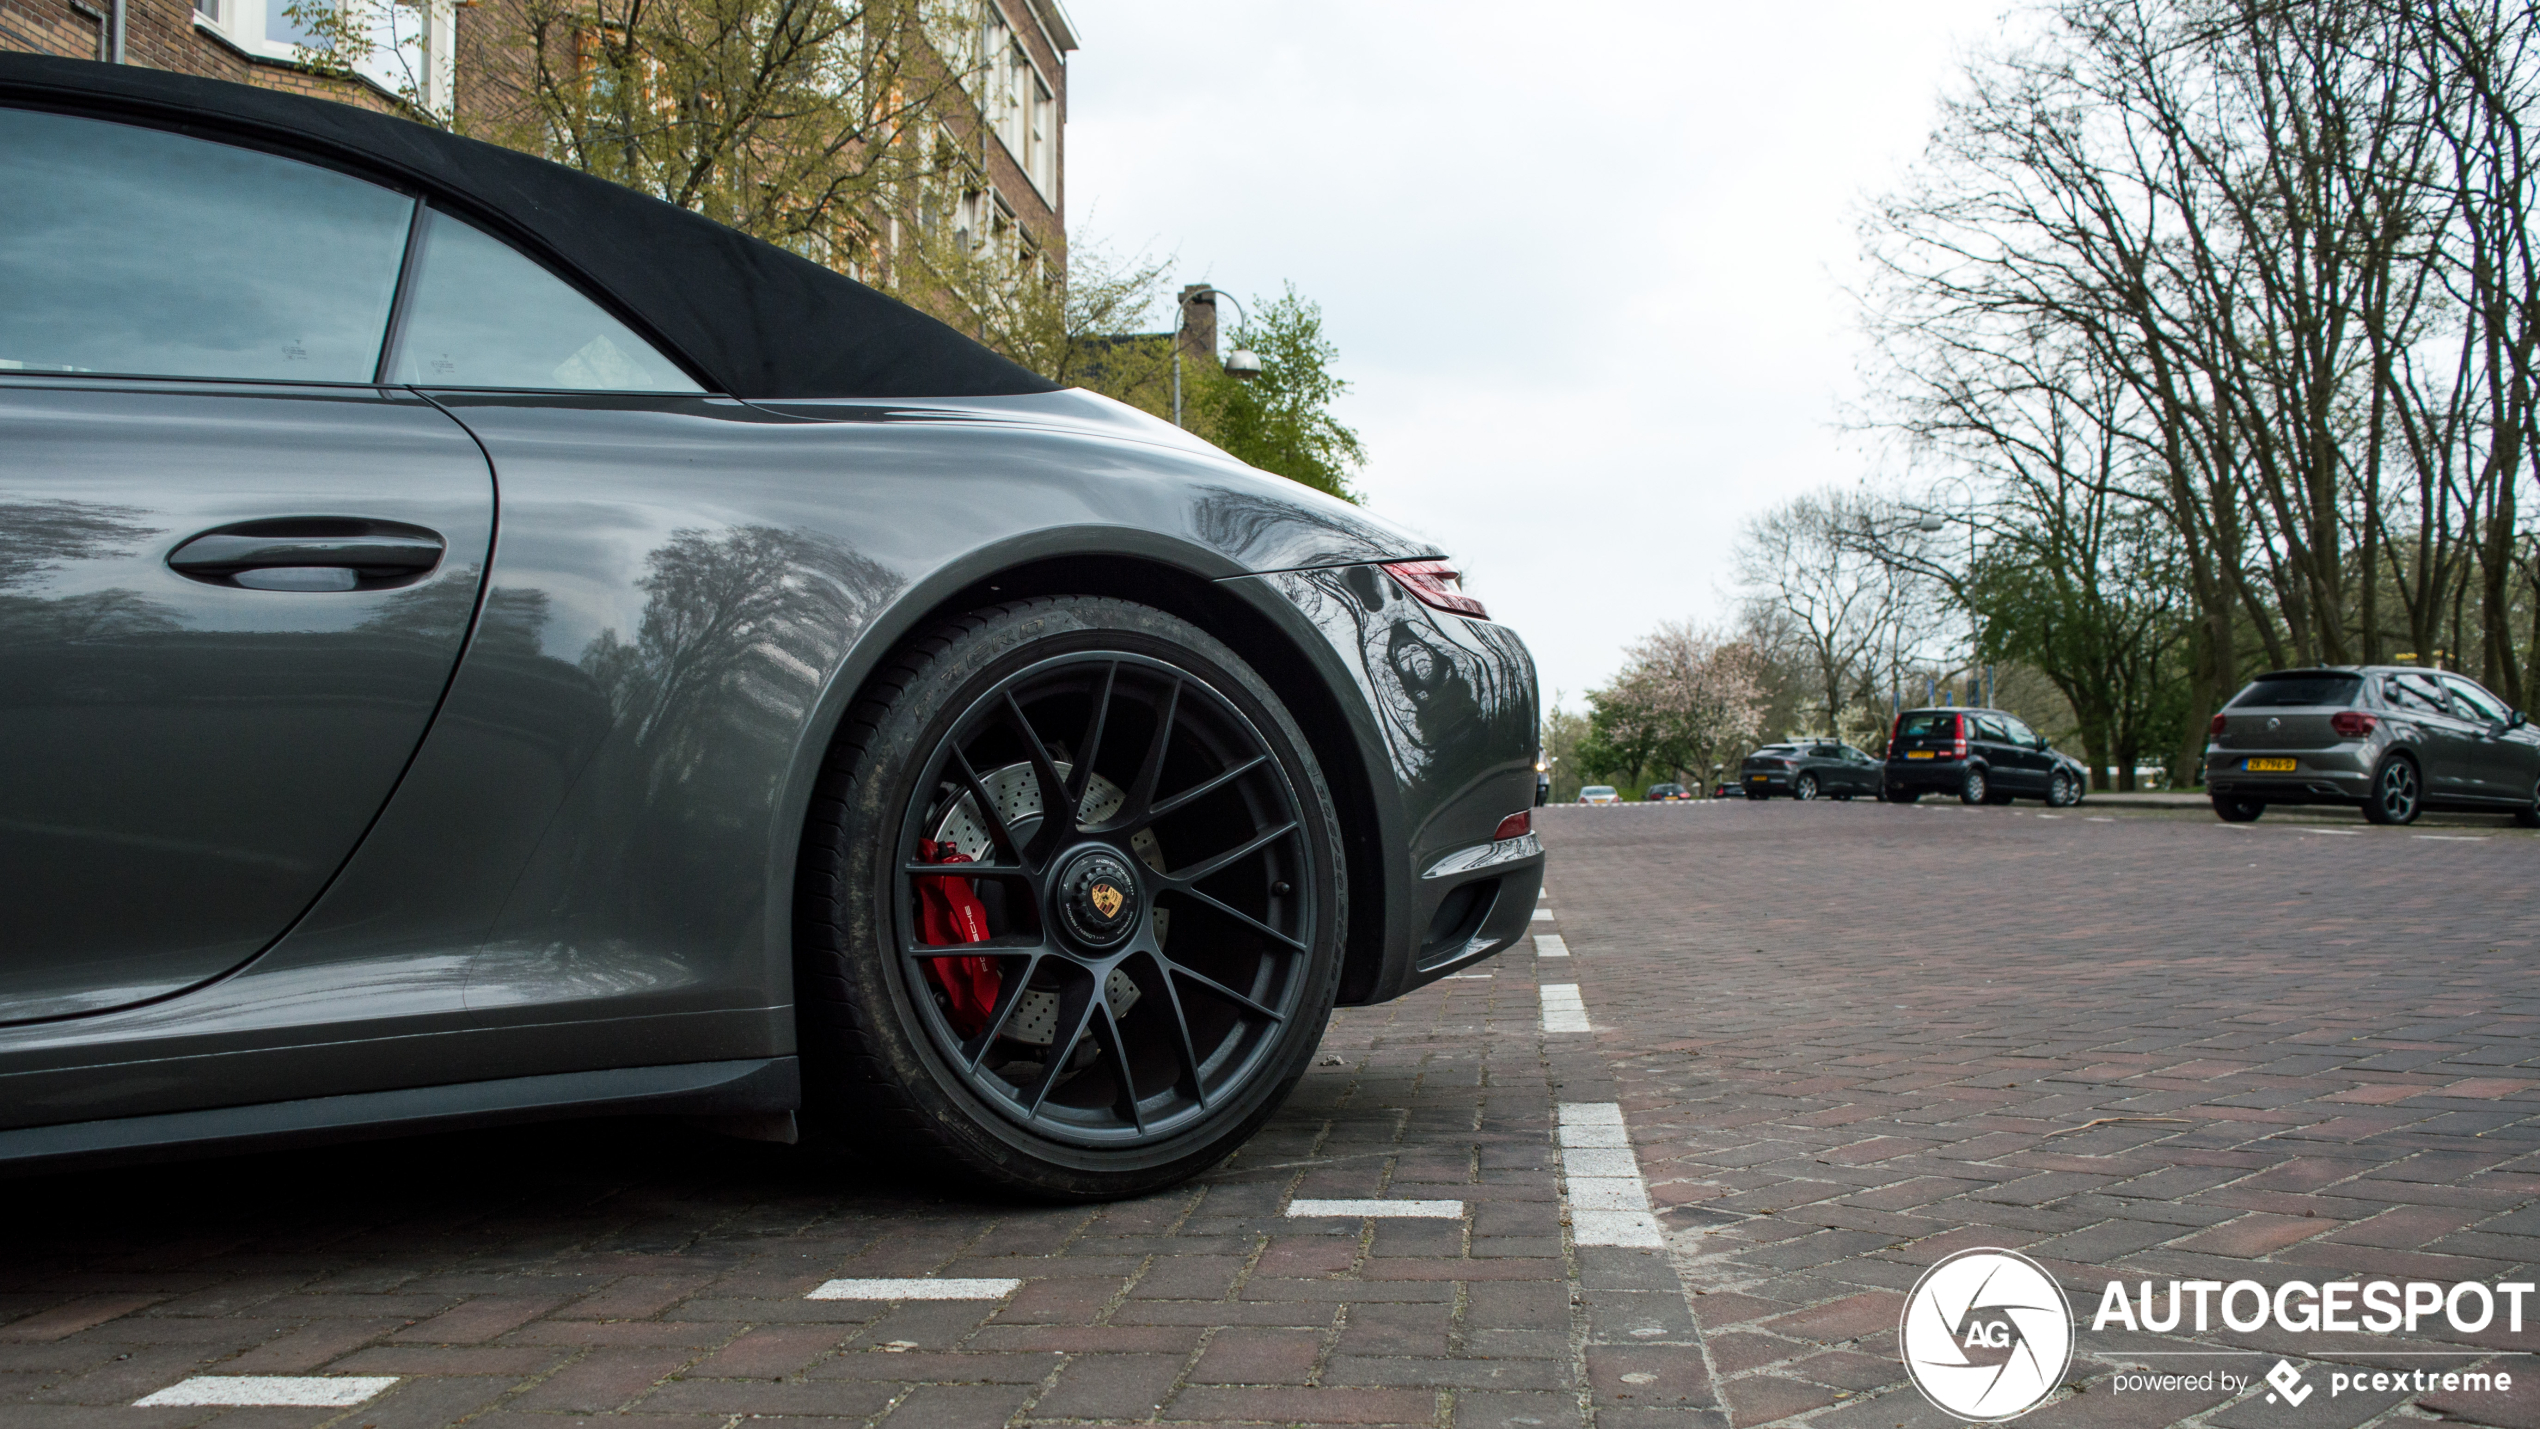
pixel 1018 104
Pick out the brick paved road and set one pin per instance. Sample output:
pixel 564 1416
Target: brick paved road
pixel 1845 1039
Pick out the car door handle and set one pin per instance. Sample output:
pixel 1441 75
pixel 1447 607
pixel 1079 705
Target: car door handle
pixel 310 553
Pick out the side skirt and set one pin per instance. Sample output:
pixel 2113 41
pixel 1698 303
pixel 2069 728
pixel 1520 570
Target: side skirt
pixel 754 1087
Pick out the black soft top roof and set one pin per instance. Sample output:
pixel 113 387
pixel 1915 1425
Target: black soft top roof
pixel 749 318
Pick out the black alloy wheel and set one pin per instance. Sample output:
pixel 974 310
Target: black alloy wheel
pixel 2232 809
pixel 2397 797
pixel 1974 790
pixel 1159 966
pixel 2528 816
pixel 1806 788
pixel 2062 790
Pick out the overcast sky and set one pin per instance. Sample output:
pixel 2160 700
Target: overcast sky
pixel 1586 263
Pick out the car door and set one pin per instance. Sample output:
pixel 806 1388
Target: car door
pixel 2501 765
pixel 2031 761
pixel 2448 747
pixel 235 574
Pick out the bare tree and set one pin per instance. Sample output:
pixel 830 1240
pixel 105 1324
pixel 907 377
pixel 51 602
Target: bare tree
pixel 1820 593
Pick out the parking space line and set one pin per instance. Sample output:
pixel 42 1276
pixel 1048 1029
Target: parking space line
pixel 283 1391
pixel 1543 915
pixel 2455 838
pixel 1562 1010
pixel 916 1288
pixel 1549 945
pixel 1609 1203
pixel 1388 1210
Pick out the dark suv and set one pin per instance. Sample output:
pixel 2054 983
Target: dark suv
pixel 1982 756
pixel 2393 740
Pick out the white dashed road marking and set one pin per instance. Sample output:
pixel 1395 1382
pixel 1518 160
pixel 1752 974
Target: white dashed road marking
pixel 1543 915
pixel 289 1391
pixel 1415 1210
pixel 1609 1203
pixel 1549 945
pixel 1562 1010
pixel 917 1288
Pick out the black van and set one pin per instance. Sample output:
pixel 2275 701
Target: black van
pixel 1982 756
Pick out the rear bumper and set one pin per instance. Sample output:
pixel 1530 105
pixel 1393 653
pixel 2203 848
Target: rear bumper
pixel 2341 775
pixel 1769 781
pixel 1927 776
pixel 1442 710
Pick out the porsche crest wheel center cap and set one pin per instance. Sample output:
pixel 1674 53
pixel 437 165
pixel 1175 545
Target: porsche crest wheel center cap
pixel 1098 899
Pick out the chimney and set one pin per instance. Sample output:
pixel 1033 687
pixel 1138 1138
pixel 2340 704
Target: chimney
pixel 1199 322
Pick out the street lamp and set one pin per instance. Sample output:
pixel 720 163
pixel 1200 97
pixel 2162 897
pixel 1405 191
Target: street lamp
pixel 1241 365
pixel 1930 522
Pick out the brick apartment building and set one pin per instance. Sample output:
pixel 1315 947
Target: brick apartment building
pixel 1009 194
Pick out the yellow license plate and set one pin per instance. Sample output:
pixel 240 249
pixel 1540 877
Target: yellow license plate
pixel 2271 766
pixel 1918 754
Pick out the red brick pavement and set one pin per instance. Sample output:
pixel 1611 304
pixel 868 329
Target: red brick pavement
pixel 1853 1038
pixel 1848 1040
pixel 645 1274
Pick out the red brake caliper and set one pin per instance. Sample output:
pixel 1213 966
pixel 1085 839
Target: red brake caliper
pixel 949 913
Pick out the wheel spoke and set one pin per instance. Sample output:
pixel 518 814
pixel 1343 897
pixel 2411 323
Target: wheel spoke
pixel 1107 1035
pixel 1091 745
pixel 1182 1048
pixel 1009 997
pixel 1243 917
pixel 1228 993
pixel 1207 786
pixel 986 807
pixel 1183 878
pixel 1076 1004
pixel 1135 810
pixel 1058 817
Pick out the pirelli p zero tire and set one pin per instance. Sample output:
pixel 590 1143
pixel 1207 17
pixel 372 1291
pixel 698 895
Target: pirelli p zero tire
pixel 1158 964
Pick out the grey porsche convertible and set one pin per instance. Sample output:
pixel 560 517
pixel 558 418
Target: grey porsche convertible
pixel 480 644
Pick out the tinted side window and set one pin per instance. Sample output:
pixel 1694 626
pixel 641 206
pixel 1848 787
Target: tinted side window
pixel 2414 692
pixel 2017 732
pixel 482 315
pixel 2476 702
pixel 1989 727
pixel 133 250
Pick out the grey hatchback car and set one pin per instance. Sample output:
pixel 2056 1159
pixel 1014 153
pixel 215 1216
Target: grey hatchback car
pixel 2392 740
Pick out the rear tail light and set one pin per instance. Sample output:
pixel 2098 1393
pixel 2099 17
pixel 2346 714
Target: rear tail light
pixel 2217 725
pixel 1958 742
pixel 1436 585
pixel 1515 826
pixel 1895 732
pixel 2351 724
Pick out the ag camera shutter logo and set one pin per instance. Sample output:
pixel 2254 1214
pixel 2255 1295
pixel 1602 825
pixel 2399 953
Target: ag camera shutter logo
pixel 1986 1334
